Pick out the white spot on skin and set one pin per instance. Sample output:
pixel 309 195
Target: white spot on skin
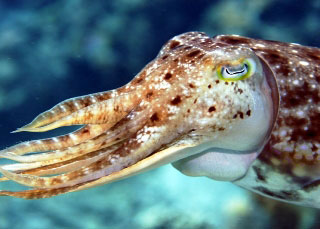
pixel 300 113
pixel 295 82
pixel 144 137
pixel 73 137
pixel 77 105
pixel 63 108
pixel 260 45
pixel 304 63
pixel 283 133
pixel 93 99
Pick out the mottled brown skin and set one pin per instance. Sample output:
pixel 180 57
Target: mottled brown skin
pixel 159 107
pixel 294 146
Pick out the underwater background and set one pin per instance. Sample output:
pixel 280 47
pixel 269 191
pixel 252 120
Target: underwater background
pixel 54 50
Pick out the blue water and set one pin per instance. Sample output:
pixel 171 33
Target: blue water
pixel 54 50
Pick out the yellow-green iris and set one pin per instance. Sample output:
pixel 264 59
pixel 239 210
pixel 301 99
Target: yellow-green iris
pixel 238 71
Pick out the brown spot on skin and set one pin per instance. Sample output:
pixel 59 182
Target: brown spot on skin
pixel 195 101
pixel 248 113
pixel 200 56
pixel 217 81
pixel 191 85
pixel 149 94
pixel 139 80
pixel 174 44
pixel 193 53
pixel 226 83
pixel 275 58
pixel 86 131
pixel 240 114
pixel 176 60
pixel 167 76
pixel 234 40
pixel 188 110
pixel 87 101
pixel 209 86
pixel 154 117
pixel 211 109
pixel 240 90
pixel 176 100
pixel 165 57
pixel 56 181
pixel 284 69
pixel 293 121
pixel 314 57
pixel 314 148
pixel 221 129
pixel 297 96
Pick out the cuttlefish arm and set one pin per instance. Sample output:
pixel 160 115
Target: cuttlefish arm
pixel 198 99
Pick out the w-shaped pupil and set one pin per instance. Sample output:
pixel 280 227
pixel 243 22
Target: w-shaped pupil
pixel 237 70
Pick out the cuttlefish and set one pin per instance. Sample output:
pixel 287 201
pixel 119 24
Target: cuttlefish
pixel 229 108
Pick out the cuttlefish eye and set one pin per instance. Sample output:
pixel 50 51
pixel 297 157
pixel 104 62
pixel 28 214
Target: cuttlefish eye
pixel 237 71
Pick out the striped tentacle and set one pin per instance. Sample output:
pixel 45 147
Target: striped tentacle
pixel 130 152
pixel 67 153
pixel 56 166
pixel 40 193
pixel 65 108
pixel 68 165
pixel 106 112
pixel 122 130
pixel 55 143
pixel 74 157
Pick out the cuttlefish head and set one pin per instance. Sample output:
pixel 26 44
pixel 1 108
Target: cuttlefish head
pixel 205 106
pixel 232 112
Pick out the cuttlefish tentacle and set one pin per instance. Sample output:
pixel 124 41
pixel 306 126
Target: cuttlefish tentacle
pixel 83 134
pixel 147 140
pixel 120 132
pixel 164 156
pixel 65 108
pixel 40 169
pixel 106 112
